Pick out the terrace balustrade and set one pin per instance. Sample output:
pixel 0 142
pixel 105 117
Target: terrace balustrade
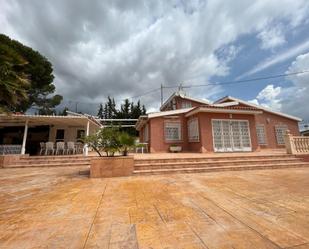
pixel 296 145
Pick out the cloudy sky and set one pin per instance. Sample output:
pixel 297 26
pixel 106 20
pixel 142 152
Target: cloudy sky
pixel 127 48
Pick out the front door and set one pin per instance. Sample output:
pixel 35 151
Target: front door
pixel 231 135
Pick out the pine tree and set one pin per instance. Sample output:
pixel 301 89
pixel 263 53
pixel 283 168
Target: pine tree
pixel 105 111
pixel 125 109
pixel 143 110
pixel 101 111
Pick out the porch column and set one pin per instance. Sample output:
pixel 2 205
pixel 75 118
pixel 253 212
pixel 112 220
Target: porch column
pixel 23 147
pixel 86 145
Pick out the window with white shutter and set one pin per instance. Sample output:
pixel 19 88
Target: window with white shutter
pixel 146 133
pixel 193 130
pixel 280 132
pixel 261 135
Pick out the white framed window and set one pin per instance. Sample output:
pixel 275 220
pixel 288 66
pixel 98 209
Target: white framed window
pixel 186 104
pixel 193 131
pixel 146 133
pixel 172 131
pixel 280 132
pixel 261 135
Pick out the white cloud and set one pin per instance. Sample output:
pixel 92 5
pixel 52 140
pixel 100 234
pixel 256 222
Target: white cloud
pixel 123 48
pixel 271 37
pixel 269 97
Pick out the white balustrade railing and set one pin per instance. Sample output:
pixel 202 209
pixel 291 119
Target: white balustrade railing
pixel 7 149
pixel 296 144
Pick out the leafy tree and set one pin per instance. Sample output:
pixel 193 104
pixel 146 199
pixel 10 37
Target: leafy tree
pixel 28 74
pixel 64 112
pixel 14 82
pixel 110 140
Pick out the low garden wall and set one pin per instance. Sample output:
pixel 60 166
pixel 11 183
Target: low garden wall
pixel 10 159
pixel 111 166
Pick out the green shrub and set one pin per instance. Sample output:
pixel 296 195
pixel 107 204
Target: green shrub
pixel 110 140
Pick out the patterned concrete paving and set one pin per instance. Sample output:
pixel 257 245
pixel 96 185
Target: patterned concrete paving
pixel 58 208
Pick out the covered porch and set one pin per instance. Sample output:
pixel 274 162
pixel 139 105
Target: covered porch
pixel 25 134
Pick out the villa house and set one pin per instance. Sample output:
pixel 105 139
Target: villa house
pixel 227 125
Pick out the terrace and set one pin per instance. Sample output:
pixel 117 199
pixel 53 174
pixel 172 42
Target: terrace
pixel 57 207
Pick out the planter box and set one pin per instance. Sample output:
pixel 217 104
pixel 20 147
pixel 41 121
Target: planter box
pixel 175 148
pixel 111 166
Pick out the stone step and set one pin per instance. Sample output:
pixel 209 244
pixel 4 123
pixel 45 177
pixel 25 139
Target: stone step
pixel 51 161
pixel 214 164
pixel 228 158
pixel 71 164
pixel 218 169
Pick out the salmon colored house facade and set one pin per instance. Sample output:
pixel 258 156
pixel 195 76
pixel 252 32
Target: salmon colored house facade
pixel 227 125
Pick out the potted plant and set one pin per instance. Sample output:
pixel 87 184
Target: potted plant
pixel 110 141
pixel 175 148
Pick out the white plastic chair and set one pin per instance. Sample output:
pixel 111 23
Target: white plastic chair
pixel 49 147
pixel 60 147
pixel 71 147
pixel 79 147
pixel 42 148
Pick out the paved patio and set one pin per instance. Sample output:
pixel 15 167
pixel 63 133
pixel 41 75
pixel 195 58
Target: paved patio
pixel 58 208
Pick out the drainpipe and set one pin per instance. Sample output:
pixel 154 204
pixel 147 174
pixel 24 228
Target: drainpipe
pixel 23 147
pixel 86 145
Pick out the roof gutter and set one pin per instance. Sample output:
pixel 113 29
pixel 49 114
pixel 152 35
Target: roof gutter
pixel 231 111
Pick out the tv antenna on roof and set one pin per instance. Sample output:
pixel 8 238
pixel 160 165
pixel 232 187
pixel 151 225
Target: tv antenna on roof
pixel 181 92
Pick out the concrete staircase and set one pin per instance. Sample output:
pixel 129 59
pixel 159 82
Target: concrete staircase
pixel 49 161
pixel 218 163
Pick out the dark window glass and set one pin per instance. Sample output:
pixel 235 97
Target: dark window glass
pixel 80 134
pixel 60 135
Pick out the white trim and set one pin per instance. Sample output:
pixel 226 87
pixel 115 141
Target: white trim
pixel 226 104
pixel 244 149
pixel 260 107
pixel 166 113
pixel 86 145
pixel 23 147
pixel 215 110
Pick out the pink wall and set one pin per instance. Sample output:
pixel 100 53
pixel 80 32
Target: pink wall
pixel 206 128
pixel 269 121
pixel 158 143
